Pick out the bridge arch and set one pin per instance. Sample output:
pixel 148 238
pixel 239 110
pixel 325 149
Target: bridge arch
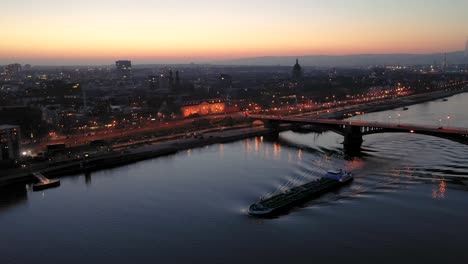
pixel 344 130
pixel 353 131
pixel 258 122
pixel 463 139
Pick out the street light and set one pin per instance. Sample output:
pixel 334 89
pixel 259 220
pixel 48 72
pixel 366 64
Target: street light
pixel 399 116
pixel 448 121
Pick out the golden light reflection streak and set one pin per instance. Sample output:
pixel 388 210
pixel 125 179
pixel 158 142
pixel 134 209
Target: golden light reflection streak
pixel 248 147
pixel 221 151
pixel 257 144
pixel 276 151
pixel 299 154
pixel 357 163
pixel 439 192
pixel 442 189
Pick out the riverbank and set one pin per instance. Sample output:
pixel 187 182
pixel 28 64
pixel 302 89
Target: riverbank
pixel 136 153
pixel 147 150
pixel 389 104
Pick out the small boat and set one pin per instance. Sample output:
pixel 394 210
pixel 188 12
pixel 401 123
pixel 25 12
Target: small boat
pixel 405 108
pixel 445 99
pixel 330 181
pixel 340 175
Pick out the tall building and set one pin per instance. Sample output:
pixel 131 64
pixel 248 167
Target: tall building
pixel 124 69
pixel 297 71
pixel 9 142
pixel 171 80
pixel 177 79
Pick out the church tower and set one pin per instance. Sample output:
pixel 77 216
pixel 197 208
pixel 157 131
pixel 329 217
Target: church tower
pixel 297 71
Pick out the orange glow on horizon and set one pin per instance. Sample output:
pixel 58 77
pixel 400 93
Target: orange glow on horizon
pixel 144 30
pixel 215 53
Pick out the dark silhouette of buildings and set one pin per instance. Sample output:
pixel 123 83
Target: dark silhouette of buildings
pixel 124 69
pixel 153 82
pixel 297 72
pixel 28 118
pixel 9 142
pixel 171 80
pixel 13 69
pixel 177 79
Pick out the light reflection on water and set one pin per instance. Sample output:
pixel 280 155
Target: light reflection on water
pixel 192 207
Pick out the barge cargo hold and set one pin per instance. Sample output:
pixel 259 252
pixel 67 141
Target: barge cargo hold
pixel 332 180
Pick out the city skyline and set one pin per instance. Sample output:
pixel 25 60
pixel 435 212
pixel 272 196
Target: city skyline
pixel 87 32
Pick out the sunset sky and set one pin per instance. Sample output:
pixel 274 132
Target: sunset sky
pixel 154 31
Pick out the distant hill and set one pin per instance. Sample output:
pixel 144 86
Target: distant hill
pixel 456 57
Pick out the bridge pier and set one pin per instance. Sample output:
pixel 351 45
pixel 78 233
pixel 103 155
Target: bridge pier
pixel 271 124
pixel 352 139
pixel 273 127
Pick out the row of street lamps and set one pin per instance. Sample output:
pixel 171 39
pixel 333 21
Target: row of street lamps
pixel 448 118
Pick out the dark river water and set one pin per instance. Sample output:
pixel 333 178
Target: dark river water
pixel 407 204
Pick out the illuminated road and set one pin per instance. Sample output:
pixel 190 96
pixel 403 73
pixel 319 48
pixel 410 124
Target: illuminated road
pixel 77 140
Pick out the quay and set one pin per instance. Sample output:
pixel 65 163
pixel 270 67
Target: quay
pixel 44 183
pixel 131 154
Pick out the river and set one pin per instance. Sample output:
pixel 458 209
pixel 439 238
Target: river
pixel 407 204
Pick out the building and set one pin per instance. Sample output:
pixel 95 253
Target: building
pixel 205 107
pixel 27 117
pixel 153 82
pixel 13 69
pixel 50 113
pixel 124 69
pixel 164 84
pixel 171 80
pixel 297 71
pixel 59 92
pixel 177 80
pixel 9 142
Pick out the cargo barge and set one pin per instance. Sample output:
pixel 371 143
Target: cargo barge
pixel 332 180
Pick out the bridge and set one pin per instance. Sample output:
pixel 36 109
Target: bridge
pixel 353 130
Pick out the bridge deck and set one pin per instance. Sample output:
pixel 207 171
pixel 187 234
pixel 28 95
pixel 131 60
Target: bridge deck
pixel 355 123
